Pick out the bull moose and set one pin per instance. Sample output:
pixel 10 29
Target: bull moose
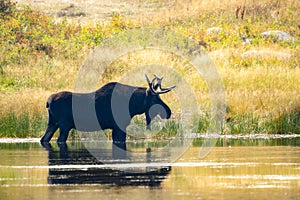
pixel 110 107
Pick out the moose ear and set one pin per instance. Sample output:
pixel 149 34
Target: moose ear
pixel 150 84
pixel 158 82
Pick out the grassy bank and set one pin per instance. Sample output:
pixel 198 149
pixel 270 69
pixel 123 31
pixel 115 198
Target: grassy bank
pixel 41 54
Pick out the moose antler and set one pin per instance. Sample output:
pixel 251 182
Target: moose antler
pixel 158 84
pixel 156 88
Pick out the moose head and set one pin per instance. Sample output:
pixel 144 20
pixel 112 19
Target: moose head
pixel 154 104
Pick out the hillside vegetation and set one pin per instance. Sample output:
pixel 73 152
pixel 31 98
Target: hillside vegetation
pixel 43 46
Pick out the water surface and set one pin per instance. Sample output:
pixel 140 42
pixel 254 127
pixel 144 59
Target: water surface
pixel 236 168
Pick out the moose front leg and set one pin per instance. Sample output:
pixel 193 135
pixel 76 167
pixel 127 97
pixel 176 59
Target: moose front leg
pixel 119 139
pixel 118 135
pixel 148 122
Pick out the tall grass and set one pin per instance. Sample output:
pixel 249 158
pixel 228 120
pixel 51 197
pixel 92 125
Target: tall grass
pixel 23 125
pixel 40 55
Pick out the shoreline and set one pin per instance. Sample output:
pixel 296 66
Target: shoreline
pixel 191 136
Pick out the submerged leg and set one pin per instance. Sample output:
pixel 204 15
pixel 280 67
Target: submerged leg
pixel 47 146
pixel 63 151
pixel 119 150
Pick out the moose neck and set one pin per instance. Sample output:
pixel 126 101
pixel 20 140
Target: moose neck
pixel 137 104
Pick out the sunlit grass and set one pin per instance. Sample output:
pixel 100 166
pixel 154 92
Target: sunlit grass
pixel 41 55
pixel 22 125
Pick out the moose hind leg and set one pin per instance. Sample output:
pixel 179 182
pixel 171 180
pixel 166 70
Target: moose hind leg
pixel 51 128
pixel 49 133
pixel 63 135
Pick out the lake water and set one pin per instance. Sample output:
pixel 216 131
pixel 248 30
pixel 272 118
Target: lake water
pixel 236 168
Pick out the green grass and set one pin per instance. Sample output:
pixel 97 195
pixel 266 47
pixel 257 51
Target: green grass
pixel 23 125
pixel 40 55
pixel 249 123
pixel 284 123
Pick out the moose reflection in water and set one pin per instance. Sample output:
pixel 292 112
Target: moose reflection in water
pixel 79 166
pixel 110 107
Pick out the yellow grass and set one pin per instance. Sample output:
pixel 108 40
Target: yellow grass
pixel 266 84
